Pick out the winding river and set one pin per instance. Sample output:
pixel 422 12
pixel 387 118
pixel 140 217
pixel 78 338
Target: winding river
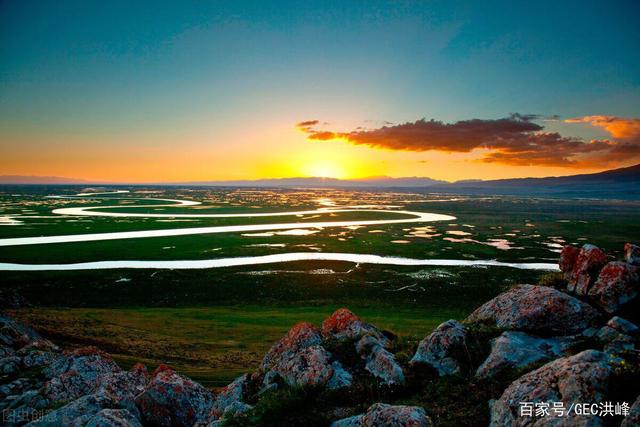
pixel 413 217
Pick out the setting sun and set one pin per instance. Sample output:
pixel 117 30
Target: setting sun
pixel 348 213
pixel 324 169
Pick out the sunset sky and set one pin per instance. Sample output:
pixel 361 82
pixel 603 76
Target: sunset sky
pixel 144 91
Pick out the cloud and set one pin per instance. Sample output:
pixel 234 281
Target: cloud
pixel 307 124
pixel 515 140
pixel 617 127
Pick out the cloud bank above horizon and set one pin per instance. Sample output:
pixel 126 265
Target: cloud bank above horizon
pixel 517 140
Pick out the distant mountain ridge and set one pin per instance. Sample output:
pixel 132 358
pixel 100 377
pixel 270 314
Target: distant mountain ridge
pixel 615 183
pixel 628 174
pixel 34 179
pixel 315 182
pixel 622 182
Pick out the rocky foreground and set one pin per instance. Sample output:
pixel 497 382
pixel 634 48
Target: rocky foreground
pixel 548 349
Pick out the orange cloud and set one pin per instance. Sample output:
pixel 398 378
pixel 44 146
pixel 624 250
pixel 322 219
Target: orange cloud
pixel 514 140
pixel 617 127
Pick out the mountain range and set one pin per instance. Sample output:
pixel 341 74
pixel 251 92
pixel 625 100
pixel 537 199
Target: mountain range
pixel 622 182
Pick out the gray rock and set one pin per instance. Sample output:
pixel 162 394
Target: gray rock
pixel 26 407
pixel 77 412
pixel 614 339
pixel 379 362
pixel 381 414
pixel 438 348
pixel 382 364
pixel 78 373
pixel 632 254
pixel 114 418
pixel 15 388
pixel 622 325
pixel 310 366
pixel 232 393
pixel 300 360
pixel 618 284
pixel 567 261
pixel 607 334
pixel 633 419
pixel 537 309
pixel 343 325
pixel 586 268
pixel 170 400
pixel 341 378
pixel 15 335
pixel 513 350
pixel 354 421
pixel 38 353
pixel 122 387
pixel 10 365
pixel 590 332
pixel 620 344
pixel 571 380
pixel 235 409
pixel 366 344
pixel 299 337
pixel 270 382
pixel 6 351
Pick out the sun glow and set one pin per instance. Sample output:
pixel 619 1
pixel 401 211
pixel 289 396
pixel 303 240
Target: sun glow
pixel 324 169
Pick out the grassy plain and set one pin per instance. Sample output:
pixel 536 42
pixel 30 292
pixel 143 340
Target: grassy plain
pixel 214 324
pixel 210 344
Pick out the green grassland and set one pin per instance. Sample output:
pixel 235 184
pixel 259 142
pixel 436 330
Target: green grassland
pixel 213 324
pixel 532 226
pixel 210 344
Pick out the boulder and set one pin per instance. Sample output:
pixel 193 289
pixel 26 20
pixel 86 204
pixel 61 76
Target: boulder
pixel 310 367
pixel 437 349
pixel 633 419
pixel 9 365
pixel 78 373
pixel 607 334
pixel 381 414
pixel 536 309
pixel 617 285
pixel 632 254
pixel 343 325
pixel 588 263
pixel 232 393
pixel 299 337
pixel 29 405
pixel 14 335
pixel 622 325
pixel 15 388
pixel 300 360
pixel 235 409
pixel 114 418
pixel 620 344
pixel 576 379
pixel 6 351
pixel 170 400
pixel 341 378
pixel 379 362
pixel 78 412
pixel 567 260
pixel 513 350
pixel 38 353
pixel 122 387
pixel 382 364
